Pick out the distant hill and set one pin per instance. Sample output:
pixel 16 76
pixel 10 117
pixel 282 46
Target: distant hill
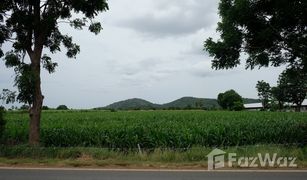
pixel 134 103
pixel 192 102
pixel 249 100
pixel 182 103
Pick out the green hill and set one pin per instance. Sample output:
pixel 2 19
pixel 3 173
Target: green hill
pixel 192 102
pixel 249 100
pixel 182 103
pixel 134 103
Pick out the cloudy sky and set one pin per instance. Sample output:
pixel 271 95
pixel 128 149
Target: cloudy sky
pixel 150 49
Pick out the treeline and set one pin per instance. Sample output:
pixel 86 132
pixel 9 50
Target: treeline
pixel 291 90
pixel 27 107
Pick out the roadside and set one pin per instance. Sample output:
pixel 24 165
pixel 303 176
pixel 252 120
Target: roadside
pixel 193 158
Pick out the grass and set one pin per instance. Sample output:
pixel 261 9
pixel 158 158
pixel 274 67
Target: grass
pixel 195 157
pixel 151 139
pixel 159 129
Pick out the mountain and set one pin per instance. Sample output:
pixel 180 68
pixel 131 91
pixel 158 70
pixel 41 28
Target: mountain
pixel 134 103
pixel 192 102
pixel 182 103
pixel 249 100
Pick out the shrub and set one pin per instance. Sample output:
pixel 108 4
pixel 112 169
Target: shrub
pixel 2 121
pixel 45 108
pixel 62 107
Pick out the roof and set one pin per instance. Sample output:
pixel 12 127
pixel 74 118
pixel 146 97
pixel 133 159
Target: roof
pixel 253 105
pixel 259 105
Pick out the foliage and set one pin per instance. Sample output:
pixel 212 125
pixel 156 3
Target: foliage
pixel 24 107
pixel 191 103
pixel 8 96
pixel 165 129
pixel 238 106
pixel 33 25
pixel 269 32
pixel 182 103
pixel 62 107
pixel 294 82
pixel 278 94
pixel 230 100
pixel 45 108
pixel 2 121
pixel 264 93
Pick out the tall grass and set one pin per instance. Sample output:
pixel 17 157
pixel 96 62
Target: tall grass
pixel 160 129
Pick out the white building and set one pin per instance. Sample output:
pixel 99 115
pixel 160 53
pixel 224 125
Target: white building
pixel 258 106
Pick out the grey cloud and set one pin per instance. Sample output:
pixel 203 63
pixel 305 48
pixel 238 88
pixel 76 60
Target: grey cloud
pixel 175 17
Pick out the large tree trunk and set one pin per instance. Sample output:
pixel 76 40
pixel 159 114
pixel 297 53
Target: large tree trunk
pixel 35 111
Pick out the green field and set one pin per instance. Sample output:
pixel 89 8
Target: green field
pixel 159 129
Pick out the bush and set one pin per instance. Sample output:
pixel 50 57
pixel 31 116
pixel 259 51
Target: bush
pixel 45 108
pixel 24 107
pixel 2 121
pixel 62 107
pixel 238 106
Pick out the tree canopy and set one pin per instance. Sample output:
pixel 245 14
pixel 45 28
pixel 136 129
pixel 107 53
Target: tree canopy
pixel 294 84
pixel 268 32
pixel 33 25
pixel 230 100
pixel 264 93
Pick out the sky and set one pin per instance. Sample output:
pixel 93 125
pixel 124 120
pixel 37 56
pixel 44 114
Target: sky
pixel 149 49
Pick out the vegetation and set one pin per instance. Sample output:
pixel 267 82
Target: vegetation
pixel 31 26
pixel 291 88
pixel 230 100
pixel 269 32
pixel 264 93
pixel 2 122
pixel 45 108
pixel 62 107
pixel 294 85
pixel 159 129
pixel 132 104
pixel 179 104
pixel 194 157
pixel 192 103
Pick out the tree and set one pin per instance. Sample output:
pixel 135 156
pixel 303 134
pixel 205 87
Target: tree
pixel 62 107
pixel 294 82
pixel 269 32
pixel 278 94
pixel 24 107
pixel 230 100
pixel 33 25
pixel 45 108
pixel 264 93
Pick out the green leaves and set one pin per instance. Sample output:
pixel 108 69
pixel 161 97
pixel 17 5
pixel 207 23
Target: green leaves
pixel 269 32
pixel 78 23
pixel 12 59
pixel 230 100
pixel 264 93
pixel 293 81
pixel 161 129
pixel 25 83
pixel 95 28
pixel 72 49
pixel 8 96
pixel 48 64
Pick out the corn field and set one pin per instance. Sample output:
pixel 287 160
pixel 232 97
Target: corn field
pixel 159 129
